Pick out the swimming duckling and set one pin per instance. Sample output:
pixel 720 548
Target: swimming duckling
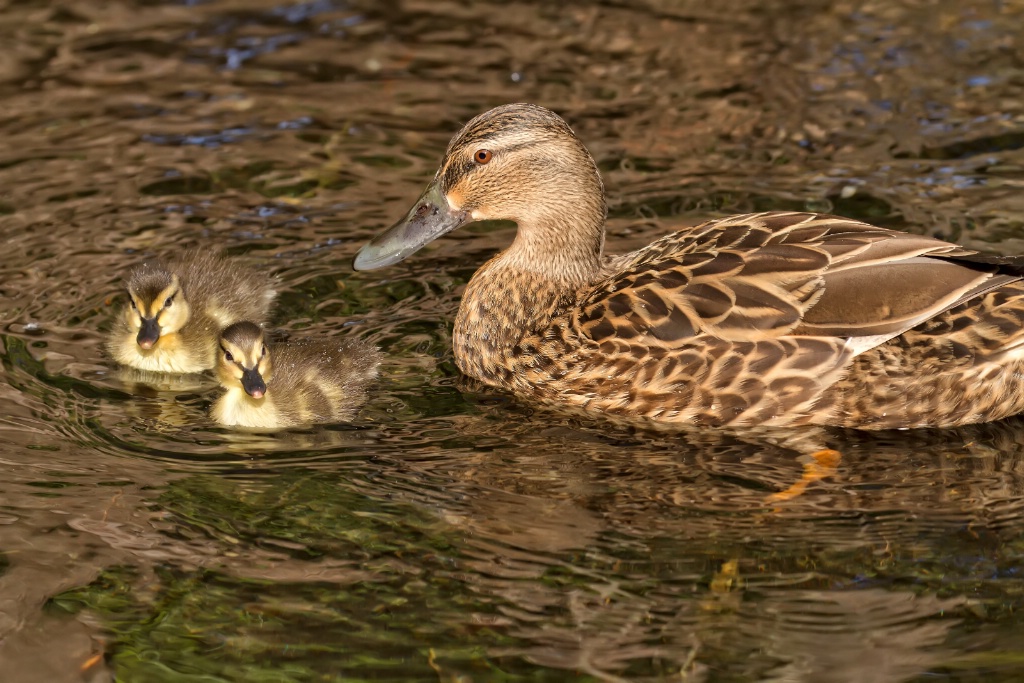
pixel 298 383
pixel 175 312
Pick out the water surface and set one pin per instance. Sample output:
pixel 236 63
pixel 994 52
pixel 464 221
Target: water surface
pixel 453 533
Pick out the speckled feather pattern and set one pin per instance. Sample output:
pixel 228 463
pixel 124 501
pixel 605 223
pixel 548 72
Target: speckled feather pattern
pixel 769 319
pixel 704 327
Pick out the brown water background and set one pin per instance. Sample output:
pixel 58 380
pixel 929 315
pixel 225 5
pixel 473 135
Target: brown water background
pixel 453 533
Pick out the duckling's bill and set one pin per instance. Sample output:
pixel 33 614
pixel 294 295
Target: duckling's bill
pixel 252 382
pixel 149 332
pixel 430 217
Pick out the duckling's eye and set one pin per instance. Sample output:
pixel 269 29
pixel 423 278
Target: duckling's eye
pixel 131 302
pixel 169 301
pixel 482 156
pixel 228 357
pixel 263 351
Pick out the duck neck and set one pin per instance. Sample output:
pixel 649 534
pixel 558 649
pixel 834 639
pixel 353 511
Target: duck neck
pixel 520 291
pixel 560 249
pixel 561 217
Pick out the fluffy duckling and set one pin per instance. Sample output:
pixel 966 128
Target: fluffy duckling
pixel 175 312
pixel 299 383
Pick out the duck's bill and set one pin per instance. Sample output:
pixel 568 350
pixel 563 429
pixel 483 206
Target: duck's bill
pixel 149 333
pixel 253 384
pixel 429 218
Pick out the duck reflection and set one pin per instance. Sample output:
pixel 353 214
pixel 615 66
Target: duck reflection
pixel 621 554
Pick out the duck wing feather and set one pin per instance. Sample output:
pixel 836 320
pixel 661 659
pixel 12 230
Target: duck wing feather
pixel 769 275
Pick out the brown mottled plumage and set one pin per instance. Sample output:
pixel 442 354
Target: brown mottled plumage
pixel 176 311
pixel 293 384
pixel 769 319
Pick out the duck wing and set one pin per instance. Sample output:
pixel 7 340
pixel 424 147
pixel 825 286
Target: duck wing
pixel 769 275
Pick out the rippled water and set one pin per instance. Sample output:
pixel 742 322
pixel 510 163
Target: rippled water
pixel 453 533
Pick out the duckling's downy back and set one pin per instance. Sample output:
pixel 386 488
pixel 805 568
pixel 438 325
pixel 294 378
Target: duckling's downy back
pixel 228 289
pixel 323 379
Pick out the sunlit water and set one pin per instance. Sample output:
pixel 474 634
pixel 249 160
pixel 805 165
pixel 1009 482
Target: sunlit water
pixel 453 533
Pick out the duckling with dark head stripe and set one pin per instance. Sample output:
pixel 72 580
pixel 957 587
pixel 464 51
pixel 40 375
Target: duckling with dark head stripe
pixel 299 383
pixel 176 311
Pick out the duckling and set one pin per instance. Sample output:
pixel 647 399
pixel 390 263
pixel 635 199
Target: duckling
pixel 293 384
pixel 175 312
pixel 770 319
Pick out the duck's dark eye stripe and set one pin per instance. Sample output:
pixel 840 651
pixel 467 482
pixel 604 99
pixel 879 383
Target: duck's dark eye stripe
pixel 454 172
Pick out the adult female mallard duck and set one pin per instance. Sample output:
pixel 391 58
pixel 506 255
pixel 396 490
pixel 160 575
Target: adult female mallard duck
pixel 175 312
pixel 770 319
pixel 293 384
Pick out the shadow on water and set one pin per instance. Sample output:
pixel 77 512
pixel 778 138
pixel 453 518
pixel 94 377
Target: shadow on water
pixel 453 533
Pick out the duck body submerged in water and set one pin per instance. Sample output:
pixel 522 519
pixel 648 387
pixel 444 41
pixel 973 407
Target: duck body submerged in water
pixel 767 319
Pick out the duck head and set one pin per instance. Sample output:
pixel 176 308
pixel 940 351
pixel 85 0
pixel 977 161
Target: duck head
pixel 244 359
pixel 156 304
pixel 517 162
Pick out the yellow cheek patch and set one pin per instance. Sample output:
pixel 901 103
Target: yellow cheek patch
pixel 168 343
pixel 157 305
pixel 236 353
pixel 240 356
pixel 135 313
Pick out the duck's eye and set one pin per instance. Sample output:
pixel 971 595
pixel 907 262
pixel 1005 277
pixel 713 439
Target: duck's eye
pixel 169 301
pixel 131 302
pixel 263 351
pixel 228 357
pixel 482 156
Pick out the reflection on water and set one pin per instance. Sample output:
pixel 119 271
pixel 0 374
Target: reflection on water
pixel 453 533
